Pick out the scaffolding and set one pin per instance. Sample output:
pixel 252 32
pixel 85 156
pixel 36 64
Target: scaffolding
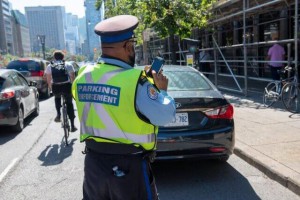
pixel 239 39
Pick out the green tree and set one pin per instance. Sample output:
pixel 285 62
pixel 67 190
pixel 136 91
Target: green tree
pixel 166 17
pixel 5 59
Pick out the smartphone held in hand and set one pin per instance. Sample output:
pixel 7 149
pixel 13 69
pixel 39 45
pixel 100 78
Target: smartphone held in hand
pixel 157 65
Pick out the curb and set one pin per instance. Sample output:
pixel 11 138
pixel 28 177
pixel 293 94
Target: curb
pixel 269 167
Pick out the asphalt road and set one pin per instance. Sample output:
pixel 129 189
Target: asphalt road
pixel 14 146
pixel 36 164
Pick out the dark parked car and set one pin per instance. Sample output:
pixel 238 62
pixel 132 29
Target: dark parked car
pixel 204 124
pixel 33 70
pixel 18 99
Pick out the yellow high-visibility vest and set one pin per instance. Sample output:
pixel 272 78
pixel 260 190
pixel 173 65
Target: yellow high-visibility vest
pixel 105 99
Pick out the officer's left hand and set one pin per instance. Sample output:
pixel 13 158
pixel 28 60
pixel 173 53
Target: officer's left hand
pixel 160 80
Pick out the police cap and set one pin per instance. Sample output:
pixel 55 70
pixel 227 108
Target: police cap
pixel 116 29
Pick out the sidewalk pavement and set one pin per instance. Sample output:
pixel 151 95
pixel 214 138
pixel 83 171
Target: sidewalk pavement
pixel 268 138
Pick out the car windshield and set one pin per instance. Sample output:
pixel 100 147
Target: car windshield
pixel 186 80
pixel 20 65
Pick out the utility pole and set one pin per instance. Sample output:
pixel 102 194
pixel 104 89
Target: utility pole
pixel 42 39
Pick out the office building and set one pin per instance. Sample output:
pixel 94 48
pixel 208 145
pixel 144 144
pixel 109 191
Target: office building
pixel 48 21
pixel 20 34
pixel 82 33
pixel 72 34
pixel 6 29
pixel 93 17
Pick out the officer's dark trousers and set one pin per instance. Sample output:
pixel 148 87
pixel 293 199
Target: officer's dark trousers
pixel 101 183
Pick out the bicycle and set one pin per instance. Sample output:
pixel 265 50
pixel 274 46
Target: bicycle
pixel 291 95
pixel 283 89
pixel 65 119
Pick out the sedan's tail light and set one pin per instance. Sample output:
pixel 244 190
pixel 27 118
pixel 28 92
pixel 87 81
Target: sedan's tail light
pixel 224 112
pixel 37 73
pixel 217 149
pixel 7 94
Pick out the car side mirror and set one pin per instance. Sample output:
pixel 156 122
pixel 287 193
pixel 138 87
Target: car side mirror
pixel 33 83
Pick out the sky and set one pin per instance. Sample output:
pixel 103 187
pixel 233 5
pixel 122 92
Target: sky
pixel 71 6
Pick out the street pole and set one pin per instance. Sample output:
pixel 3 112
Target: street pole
pixel 42 39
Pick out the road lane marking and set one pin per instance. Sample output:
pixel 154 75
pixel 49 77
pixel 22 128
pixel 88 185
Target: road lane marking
pixel 8 168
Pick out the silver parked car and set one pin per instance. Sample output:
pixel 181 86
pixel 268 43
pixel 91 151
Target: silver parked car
pixel 18 99
pixel 33 69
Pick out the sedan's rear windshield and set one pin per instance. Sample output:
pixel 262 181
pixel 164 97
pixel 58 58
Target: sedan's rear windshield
pixel 26 65
pixel 186 80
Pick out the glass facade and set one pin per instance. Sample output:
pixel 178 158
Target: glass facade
pixel 93 17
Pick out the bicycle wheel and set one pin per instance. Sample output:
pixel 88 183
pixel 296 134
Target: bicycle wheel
pixel 270 94
pixel 291 97
pixel 65 124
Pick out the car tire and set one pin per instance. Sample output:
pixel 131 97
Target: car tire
pixel 20 124
pixel 36 111
pixel 223 159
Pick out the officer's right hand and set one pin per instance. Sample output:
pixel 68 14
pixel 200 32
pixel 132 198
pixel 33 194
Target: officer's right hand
pixel 160 80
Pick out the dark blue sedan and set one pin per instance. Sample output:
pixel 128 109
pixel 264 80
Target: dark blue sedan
pixel 204 124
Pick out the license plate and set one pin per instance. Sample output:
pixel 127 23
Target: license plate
pixel 181 119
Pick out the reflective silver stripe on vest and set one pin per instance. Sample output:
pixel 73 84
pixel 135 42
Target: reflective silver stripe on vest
pixel 111 130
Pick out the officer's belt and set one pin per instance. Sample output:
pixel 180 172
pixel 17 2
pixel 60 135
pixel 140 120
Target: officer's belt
pixel 112 148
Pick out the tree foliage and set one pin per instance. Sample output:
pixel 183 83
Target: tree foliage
pixel 5 59
pixel 166 17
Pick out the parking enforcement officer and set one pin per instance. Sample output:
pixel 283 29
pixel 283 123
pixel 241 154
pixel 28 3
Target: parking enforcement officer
pixel 119 111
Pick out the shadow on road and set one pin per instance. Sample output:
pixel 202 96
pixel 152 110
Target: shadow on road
pixel 195 180
pixel 55 154
pixel 7 134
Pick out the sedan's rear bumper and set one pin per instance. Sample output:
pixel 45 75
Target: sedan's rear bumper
pixel 8 114
pixel 195 144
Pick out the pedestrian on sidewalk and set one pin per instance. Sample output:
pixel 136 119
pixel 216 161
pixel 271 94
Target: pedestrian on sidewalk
pixel 276 53
pixel 120 110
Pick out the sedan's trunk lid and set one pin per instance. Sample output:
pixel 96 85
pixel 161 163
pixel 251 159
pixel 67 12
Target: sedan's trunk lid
pixel 191 112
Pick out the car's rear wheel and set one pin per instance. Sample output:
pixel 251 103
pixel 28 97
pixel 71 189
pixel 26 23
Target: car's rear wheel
pixel 20 124
pixel 222 159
